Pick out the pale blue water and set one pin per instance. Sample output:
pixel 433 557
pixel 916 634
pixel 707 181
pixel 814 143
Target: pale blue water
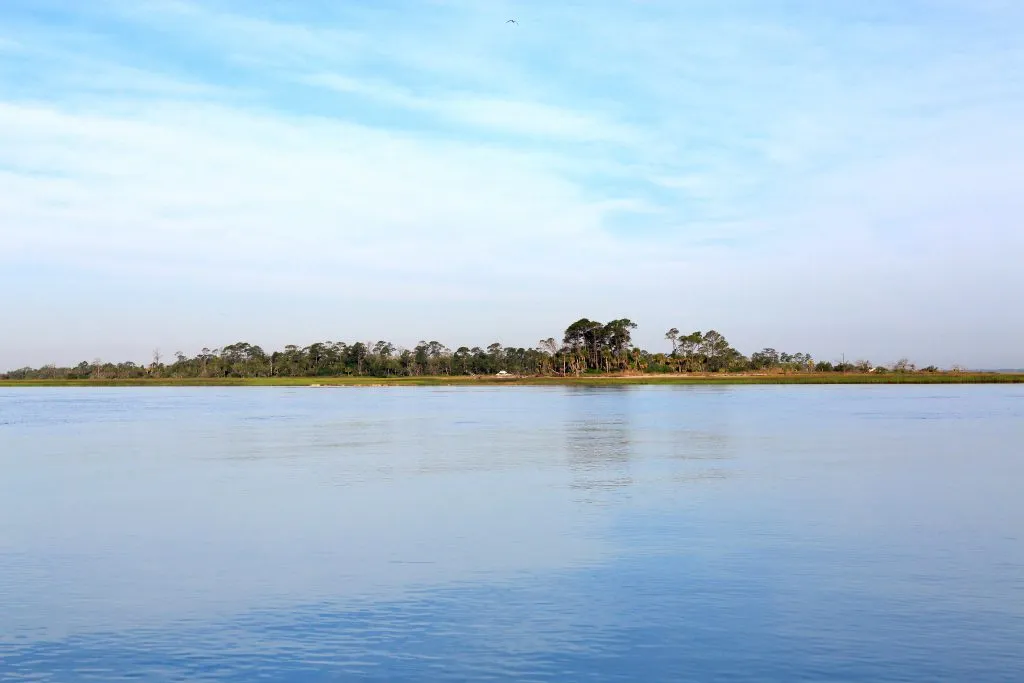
pixel 513 534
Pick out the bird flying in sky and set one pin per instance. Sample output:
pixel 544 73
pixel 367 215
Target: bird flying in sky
pixel 512 21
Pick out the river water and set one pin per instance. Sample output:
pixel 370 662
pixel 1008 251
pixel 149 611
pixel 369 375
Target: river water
pixel 759 533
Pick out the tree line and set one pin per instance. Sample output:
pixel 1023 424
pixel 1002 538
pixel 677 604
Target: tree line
pixel 586 347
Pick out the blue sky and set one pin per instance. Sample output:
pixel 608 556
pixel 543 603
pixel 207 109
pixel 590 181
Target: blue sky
pixel 828 177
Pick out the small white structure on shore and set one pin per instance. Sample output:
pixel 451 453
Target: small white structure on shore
pixel 503 373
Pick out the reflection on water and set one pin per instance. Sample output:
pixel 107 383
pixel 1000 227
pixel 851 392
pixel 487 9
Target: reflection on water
pixel 633 533
pixel 599 455
pixel 597 440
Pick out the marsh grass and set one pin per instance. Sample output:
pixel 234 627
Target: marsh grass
pixel 591 380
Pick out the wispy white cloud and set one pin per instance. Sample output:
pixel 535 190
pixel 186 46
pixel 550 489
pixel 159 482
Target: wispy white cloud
pixel 248 187
pixel 509 116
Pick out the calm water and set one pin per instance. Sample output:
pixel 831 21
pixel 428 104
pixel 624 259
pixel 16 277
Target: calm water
pixel 526 534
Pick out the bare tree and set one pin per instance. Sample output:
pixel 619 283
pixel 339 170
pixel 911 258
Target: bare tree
pixel 903 365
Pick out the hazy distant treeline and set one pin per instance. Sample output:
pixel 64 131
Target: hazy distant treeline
pixel 586 346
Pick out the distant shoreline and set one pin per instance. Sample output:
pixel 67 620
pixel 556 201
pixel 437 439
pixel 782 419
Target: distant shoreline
pixel 584 380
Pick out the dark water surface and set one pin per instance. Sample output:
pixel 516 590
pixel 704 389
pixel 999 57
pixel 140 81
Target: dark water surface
pixel 809 533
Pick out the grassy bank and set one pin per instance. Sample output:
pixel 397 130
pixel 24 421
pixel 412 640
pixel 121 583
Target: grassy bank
pixel 591 380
